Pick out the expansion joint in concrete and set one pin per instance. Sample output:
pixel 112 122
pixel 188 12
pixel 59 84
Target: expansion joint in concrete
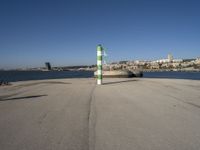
pixel 91 120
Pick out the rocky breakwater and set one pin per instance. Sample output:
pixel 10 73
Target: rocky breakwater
pixel 120 74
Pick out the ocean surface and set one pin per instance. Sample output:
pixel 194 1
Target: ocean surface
pixel 13 76
pixel 173 75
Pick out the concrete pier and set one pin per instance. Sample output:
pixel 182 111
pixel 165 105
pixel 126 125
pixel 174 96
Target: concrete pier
pixel 76 114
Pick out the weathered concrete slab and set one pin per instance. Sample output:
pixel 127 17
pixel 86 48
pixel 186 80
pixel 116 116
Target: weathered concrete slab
pixel 123 114
pixel 147 114
pixel 55 120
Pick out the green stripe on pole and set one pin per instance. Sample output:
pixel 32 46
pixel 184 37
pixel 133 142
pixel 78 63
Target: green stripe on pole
pixel 99 48
pixel 99 67
pixel 99 57
pixel 99 77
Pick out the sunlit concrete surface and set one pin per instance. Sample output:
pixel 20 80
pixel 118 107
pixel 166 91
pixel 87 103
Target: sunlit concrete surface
pixel 77 114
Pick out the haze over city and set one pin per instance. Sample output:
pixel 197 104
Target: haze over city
pixel 67 32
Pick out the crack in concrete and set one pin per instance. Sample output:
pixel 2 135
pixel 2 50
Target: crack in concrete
pixel 189 103
pixel 91 120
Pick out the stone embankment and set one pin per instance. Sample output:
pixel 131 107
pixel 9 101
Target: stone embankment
pixel 121 74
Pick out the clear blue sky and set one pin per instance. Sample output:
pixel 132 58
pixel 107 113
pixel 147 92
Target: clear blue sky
pixel 66 32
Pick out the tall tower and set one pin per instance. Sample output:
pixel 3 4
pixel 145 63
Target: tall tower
pixel 99 64
pixel 170 57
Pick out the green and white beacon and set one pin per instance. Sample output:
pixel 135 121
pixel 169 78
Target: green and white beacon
pixel 99 64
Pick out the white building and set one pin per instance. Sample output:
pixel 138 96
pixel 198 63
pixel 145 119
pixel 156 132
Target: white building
pixel 197 61
pixel 162 61
pixel 169 59
pixel 177 60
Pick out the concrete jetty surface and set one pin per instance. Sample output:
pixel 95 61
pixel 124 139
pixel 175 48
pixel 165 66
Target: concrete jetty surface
pixel 122 114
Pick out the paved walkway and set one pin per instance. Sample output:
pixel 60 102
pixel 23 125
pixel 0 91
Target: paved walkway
pixel 76 114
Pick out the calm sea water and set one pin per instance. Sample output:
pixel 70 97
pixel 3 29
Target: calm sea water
pixel 12 76
pixel 173 75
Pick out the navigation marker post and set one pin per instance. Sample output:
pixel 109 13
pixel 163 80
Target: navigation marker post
pixel 99 64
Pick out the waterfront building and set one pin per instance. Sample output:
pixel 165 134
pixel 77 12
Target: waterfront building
pixel 197 61
pixel 162 61
pixel 177 60
pixel 48 66
pixel 166 60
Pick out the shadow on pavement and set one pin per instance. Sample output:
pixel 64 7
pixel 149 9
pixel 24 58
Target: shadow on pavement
pixel 23 97
pixel 116 82
pixel 43 82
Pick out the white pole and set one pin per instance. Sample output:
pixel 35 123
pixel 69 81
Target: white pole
pixel 99 64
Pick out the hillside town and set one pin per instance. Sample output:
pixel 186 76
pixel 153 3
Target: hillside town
pixel 168 64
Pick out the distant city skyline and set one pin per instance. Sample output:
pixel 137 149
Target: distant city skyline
pixel 66 33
